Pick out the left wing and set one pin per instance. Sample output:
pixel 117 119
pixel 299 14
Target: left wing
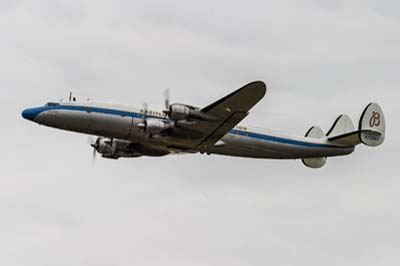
pixel 226 113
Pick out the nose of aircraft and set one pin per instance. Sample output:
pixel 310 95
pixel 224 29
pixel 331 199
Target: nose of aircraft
pixel 30 113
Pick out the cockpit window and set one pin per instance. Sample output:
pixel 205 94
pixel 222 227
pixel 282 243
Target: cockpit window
pixel 52 104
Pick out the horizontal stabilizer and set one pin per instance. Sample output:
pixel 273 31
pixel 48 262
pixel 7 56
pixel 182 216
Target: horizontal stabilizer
pixel 348 139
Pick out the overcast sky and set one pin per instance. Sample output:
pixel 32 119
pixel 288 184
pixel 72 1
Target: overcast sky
pixel 318 58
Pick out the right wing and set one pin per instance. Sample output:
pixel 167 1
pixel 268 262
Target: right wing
pixel 241 100
pixel 226 113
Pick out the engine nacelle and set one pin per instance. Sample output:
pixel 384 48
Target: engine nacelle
pixel 105 146
pixel 155 126
pixel 111 148
pixel 114 149
pixel 181 111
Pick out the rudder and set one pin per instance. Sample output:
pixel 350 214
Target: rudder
pixel 372 125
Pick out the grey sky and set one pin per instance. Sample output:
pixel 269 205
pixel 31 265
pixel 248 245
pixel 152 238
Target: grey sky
pixel 318 58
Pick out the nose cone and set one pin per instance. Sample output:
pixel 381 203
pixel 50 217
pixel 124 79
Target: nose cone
pixel 30 114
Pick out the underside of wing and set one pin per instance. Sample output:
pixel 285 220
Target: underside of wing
pixel 230 110
pixel 223 128
pixel 241 100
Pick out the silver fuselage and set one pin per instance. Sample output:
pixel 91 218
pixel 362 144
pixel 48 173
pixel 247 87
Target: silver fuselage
pixel 120 122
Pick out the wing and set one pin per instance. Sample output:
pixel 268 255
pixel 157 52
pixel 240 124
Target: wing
pixel 226 113
pixel 241 100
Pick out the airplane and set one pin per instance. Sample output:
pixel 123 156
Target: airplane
pixel 127 132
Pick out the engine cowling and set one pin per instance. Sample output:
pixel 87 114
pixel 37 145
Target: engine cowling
pixel 105 146
pixel 181 111
pixel 114 149
pixel 155 126
pixel 111 148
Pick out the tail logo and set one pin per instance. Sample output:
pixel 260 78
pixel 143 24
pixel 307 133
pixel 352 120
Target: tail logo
pixel 375 119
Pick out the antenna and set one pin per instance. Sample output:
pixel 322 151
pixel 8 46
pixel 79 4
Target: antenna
pixel 70 96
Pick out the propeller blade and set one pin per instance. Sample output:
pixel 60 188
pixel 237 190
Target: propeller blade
pixel 143 124
pixel 91 140
pixel 166 110
pixel 95 144
pixel 166 99
pixel 145 109
pixel 94 154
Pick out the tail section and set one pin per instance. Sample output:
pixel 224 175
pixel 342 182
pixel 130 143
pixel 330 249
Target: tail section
pixel 371 129
pixel 371 132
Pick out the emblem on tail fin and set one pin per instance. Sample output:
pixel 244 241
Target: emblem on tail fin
pixel 375 119
pixel 372 125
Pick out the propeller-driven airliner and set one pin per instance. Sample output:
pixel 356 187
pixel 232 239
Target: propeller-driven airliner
pixel 123 131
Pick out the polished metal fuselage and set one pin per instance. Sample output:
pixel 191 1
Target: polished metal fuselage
pixel 119 122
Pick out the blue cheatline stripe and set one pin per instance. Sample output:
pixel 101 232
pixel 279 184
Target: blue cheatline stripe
pixel 233 131
pixel 96 110
pixel 281 140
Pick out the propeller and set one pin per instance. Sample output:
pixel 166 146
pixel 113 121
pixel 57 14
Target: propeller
pixel 95 144
pixel 166 102
pixel 94 155
pixel 143 123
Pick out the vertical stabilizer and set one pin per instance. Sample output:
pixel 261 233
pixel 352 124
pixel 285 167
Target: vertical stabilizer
pixel 342 125
pixel 372 125
pixel 315 133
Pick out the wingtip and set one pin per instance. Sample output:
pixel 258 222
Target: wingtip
pixel 259 85
pixel 259 82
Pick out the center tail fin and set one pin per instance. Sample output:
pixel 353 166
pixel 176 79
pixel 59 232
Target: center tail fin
pixel 342 125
